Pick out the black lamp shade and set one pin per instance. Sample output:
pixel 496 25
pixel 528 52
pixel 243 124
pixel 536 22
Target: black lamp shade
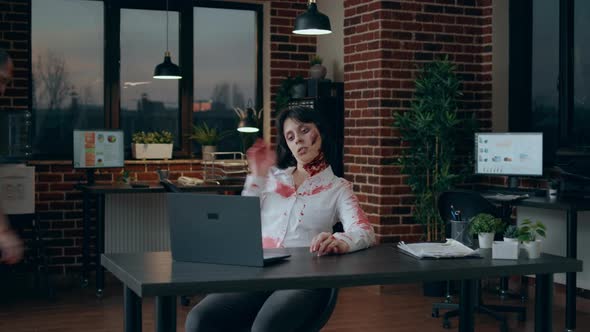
pixel 248 125
pixel 167 69
pixel 312 22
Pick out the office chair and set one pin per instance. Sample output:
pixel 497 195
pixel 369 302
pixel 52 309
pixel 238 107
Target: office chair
pixel 471 203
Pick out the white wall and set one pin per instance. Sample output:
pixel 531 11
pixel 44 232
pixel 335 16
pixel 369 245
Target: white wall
pixel 555 242
pixel 331 47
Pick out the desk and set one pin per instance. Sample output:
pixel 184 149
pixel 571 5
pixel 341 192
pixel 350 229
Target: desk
pixel 99 192
pixel 571 205
pixel 156 274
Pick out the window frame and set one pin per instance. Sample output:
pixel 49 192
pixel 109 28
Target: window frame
pixel 112 55
pixel 520 72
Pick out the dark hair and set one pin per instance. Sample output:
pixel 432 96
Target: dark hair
pixel 304 115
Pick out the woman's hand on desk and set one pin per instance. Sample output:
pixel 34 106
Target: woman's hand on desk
pixel 325 243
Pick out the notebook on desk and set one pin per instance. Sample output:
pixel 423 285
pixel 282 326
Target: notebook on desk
pixel 218 229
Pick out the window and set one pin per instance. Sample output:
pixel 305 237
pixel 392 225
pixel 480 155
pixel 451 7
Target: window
pixel 557 73
pixel 67 72
pixel 218 46
pixel 226 66
pixel 148 104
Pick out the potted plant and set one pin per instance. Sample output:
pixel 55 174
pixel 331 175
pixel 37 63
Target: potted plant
pixel 290 88
pixel 208 138
pixel 529 233
pixel 152 145
pixel 485 226
pixel 511 234
pixel 317 71
pixel 434 138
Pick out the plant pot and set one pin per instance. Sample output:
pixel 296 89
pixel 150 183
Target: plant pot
pixel 208 152
pixel 533 249
pixel 318 72
pixel 151 151
pixel 510 239
pixel 298 91
pixel 485 240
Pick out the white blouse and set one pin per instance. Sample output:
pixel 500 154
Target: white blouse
pixel 292 217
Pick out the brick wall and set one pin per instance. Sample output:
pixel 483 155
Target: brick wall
pixel 384 43
pixel 290 53
pixel 14 35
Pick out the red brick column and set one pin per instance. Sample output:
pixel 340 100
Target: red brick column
pixel 384 43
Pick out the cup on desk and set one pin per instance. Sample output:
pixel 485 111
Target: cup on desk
pixel 552 193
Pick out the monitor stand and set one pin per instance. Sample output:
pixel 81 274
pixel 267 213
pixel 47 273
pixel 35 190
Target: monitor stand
pixel 90 176
pixel 513 182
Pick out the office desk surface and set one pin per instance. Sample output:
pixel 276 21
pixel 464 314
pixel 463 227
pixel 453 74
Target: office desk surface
pixel 124 188
pixel 156 274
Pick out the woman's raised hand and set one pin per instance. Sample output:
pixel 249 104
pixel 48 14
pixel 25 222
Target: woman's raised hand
pixel 261 158
pixel 325 243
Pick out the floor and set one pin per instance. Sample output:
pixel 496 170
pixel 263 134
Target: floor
pixel 401 308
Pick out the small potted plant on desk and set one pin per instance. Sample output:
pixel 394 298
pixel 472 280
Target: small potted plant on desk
pixel 208 138
pixel 529 233
pixel 511 234
pixel 485 226
pixel 152 145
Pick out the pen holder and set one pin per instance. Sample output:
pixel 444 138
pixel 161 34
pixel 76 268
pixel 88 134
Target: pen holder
pixel 460 232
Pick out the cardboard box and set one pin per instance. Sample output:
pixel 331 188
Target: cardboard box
pixel 17 189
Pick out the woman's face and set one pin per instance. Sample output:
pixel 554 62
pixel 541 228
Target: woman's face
pixel 303 139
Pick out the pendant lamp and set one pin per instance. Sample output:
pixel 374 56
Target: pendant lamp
pixel 167 70
pixel 312 22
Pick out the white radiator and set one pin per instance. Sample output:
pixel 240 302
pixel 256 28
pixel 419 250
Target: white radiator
pixel 136 223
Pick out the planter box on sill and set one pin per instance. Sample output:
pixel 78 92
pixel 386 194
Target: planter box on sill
pixel 151 151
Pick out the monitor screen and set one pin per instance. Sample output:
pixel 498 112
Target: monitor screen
pixel 509 153
pixel 99 148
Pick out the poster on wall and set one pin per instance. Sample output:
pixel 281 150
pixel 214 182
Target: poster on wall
pixel 17 188
pixel 98 148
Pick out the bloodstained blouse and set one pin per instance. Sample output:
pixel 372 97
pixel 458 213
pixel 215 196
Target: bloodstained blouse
pixel 292 217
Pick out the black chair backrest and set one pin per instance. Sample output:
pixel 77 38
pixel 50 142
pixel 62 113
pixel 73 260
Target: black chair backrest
pixel 470 203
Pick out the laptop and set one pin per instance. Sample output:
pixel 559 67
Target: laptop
pixel 218 229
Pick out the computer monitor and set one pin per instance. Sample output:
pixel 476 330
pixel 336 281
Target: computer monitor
pixel 99 148
pixel 511 154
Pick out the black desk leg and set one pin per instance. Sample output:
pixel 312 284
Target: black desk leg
pixel 544 303
pixel 99 244
pixel 85 238
pixel 132 304
pixel 570 277
pixel 165 313
pixel 467 306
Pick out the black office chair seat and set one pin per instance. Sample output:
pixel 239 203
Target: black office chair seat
pixel 471 203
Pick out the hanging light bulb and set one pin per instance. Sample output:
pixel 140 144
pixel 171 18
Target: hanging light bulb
pixel 167 69
pixel 312 22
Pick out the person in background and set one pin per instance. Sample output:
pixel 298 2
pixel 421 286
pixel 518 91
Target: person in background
pixel 11 249
pixel 300 201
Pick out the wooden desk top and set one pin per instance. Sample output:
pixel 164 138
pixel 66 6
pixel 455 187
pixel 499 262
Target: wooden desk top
pixel 155 273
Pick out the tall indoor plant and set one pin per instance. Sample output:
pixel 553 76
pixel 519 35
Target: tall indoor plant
pixel 430 133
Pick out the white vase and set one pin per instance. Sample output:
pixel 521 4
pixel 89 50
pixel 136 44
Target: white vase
pixel 209 152
pixel 485 240
pixel 151 151
pixel 533 249
pixel 510 239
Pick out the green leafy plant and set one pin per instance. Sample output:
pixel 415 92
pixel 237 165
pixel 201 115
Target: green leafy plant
pixel 153 137
pixel 315 60
pixel 283 96
pixel 435 140
pixel 511 232
pixel 529 230
pixel 205 135
pixel 485 223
